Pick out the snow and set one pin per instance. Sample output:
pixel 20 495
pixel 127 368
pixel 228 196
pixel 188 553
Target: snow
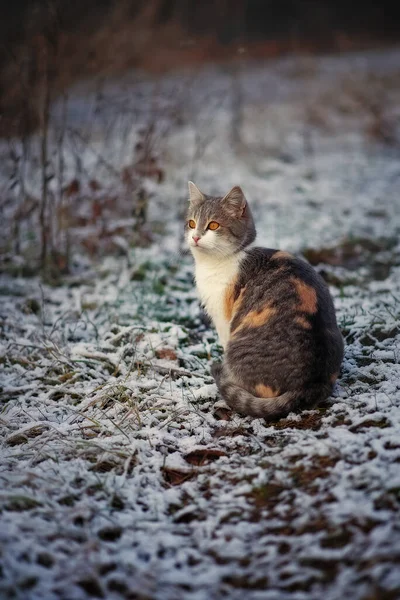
pixel 110 416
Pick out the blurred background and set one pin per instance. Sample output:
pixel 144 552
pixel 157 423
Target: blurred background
pixel 93 92
pixel 107 37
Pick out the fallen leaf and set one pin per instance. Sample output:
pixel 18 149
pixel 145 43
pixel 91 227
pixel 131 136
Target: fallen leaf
pixel 167 353
pixel 203 456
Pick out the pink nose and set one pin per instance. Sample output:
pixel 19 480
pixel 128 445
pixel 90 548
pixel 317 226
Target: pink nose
pixel 195 238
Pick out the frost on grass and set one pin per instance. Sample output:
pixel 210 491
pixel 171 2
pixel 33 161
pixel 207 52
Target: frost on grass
pixel 123 475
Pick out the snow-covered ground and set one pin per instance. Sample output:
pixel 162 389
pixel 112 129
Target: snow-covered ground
pixel 122 474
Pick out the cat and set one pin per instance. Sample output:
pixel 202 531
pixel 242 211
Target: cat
pixel 272 311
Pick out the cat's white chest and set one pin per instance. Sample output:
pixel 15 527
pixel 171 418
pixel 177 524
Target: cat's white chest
pixel 212 278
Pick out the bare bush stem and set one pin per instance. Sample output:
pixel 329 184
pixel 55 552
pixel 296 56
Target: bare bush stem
pixel 44 118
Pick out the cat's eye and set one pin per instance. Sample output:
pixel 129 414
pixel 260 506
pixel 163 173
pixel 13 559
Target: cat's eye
pixel 192 224
pixel 213 225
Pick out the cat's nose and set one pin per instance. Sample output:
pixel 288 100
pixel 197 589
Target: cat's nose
pixel 195 238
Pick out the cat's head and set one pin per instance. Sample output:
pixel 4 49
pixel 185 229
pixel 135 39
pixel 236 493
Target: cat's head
pixel 219 226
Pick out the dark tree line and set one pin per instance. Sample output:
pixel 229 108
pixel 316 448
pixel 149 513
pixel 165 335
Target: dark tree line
pixel 228 19
pixel 83 37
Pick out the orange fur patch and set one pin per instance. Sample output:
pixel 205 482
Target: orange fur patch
pixel 229 301
pixel 265 391
pixel 256 318
pixel 307 296
pixel 238 302
pixel 281 254
pixel 302 321
pixel 231 306
pixel 333 377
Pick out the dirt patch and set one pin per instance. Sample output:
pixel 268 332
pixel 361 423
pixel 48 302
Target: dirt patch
pixel 92 587
pixel 328 567
pixel 381 423
pixel 110 534
pixel 350 253
pixel 376 255
pixel 221 432
pixel 267 495
pixel 307 421
pixel 246 582
pixel 305 476
pixel 337 538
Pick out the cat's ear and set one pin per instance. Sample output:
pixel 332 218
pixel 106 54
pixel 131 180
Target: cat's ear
pixel 235 201
pixel 195 195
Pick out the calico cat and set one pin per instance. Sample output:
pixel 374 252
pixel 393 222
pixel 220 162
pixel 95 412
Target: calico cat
pixel 273 312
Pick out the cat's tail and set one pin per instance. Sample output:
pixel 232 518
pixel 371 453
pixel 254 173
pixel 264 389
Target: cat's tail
pixel 243 402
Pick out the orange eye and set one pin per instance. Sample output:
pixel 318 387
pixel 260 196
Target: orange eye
pixel 213 225
pixel 192 224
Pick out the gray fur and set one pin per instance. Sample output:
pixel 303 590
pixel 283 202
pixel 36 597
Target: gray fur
pixel 244 402
pixel 231 211
pixel 284 340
